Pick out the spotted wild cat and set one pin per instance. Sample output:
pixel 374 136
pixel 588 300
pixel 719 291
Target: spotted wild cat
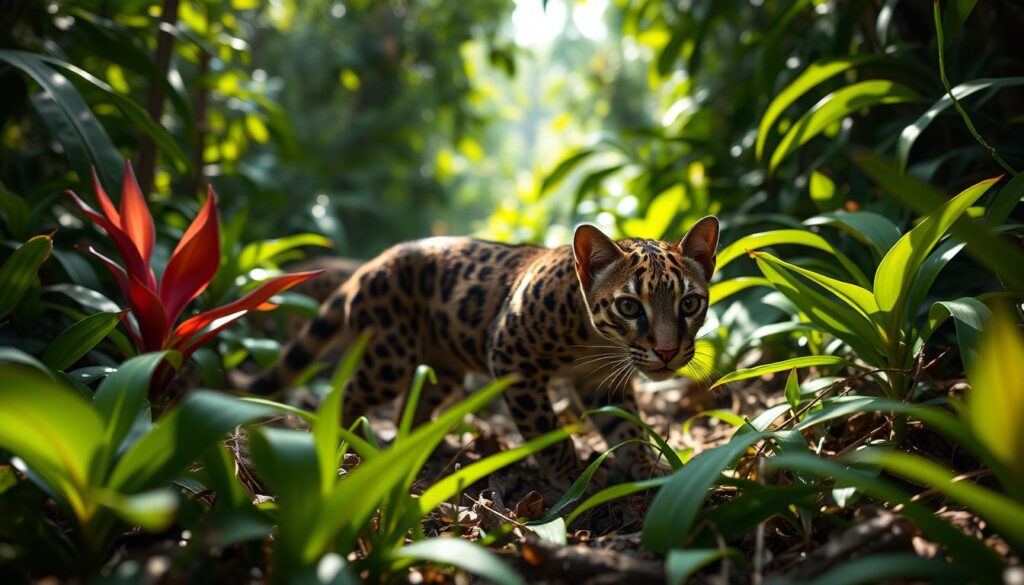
pixel 594 313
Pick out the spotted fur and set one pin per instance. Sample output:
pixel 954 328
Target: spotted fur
pixel 595 313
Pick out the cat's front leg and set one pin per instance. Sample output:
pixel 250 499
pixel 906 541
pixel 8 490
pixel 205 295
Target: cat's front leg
pixel 534 415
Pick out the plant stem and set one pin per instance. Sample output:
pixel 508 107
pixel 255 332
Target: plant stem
pixel 956 103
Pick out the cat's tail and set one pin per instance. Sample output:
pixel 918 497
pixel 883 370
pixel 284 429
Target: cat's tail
pixel 328 329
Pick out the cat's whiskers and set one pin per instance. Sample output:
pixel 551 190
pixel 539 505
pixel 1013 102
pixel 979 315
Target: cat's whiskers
pixel 591 359
pixel 603 366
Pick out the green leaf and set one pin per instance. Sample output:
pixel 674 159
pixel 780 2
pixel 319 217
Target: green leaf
pixel 13 355
pixel 614 492
pixel 987 248
pixel 799 362
pixel 858 298
pixel 666 451
pixel 51 428
pixel 892 568
pixel 725 416
pixel 1003 204
pixel 953 18
pixel 1003 513
pixel 123 393
pixel 996 399
pixel 453 484
pixel 838 319
pixel 963 548
pixel 87 298
pixel 413 398
pixel 552 531
pixel 810 78
pixel 793 390
pixel 788 237
pixel 79 339
pixel 200 420
pixel 899 266
pixel 911 133
pixel 19 271
pixel 673 511
pixel 969 315
pixel 680 565
pixel 132 112
pixel 153 510
pixel 564 168
pixel 326 426
pixel 661 212
pixel 836 106
pixel 823 192
pixel 463 554
pixel 720 291
pixel 870 228
pixel 16 213
pixel 69 119
pixel 259 253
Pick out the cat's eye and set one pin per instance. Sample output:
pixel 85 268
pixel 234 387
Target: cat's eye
pixel 690 305
pixel 629 308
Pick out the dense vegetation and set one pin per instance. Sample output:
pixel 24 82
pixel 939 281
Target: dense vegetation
pixel 863 157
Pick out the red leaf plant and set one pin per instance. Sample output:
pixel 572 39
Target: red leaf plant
pixel 157 305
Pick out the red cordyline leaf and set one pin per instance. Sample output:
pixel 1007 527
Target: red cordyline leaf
pixel 227 314
pixel 194 262
pixel 125 247
pixel 136 221
pixel 153 326
pixel 105 204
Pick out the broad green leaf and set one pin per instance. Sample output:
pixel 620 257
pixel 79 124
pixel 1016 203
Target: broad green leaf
pixel 899 266
pixel 720 291
pixel 838 319
pixel 1005 514
pixel 79 339
pixel 985 246
pixel 959 545
pixel 953 18
pixel 810 78
pixel 667 451
pixel 123 393
pixel 69 119
pixel 52 428
pixel 287 460
pixel 680 565
pixel 200 420
pixel 836 106
pixel 872 229
pixel 910 134
pixel 854 296
pixel 792 363
pixel 823 192
pixel 132 111
pixel 659 216
pixel 153 510
pixel 996 399
pixel 259 253
pixel 787 237
pixel 1003 204
pixel 463 554
pixel 928 272
pixel 87 298
pixel 741 514
pixel 564 168
pixel 19 271
pixel 970 316
pixel 552 531
pixel 674 510
pixel 16 214
pixel 591 182
pixel 13 355
pixel 893 568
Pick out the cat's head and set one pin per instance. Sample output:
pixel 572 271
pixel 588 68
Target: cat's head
pixel 646 296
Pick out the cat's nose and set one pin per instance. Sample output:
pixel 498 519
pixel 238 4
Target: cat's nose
pixel 667 354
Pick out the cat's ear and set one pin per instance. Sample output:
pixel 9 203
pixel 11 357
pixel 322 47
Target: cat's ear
pixel 701 244
pixel 594 252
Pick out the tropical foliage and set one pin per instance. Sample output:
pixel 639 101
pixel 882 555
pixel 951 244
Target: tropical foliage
pixel 862 156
